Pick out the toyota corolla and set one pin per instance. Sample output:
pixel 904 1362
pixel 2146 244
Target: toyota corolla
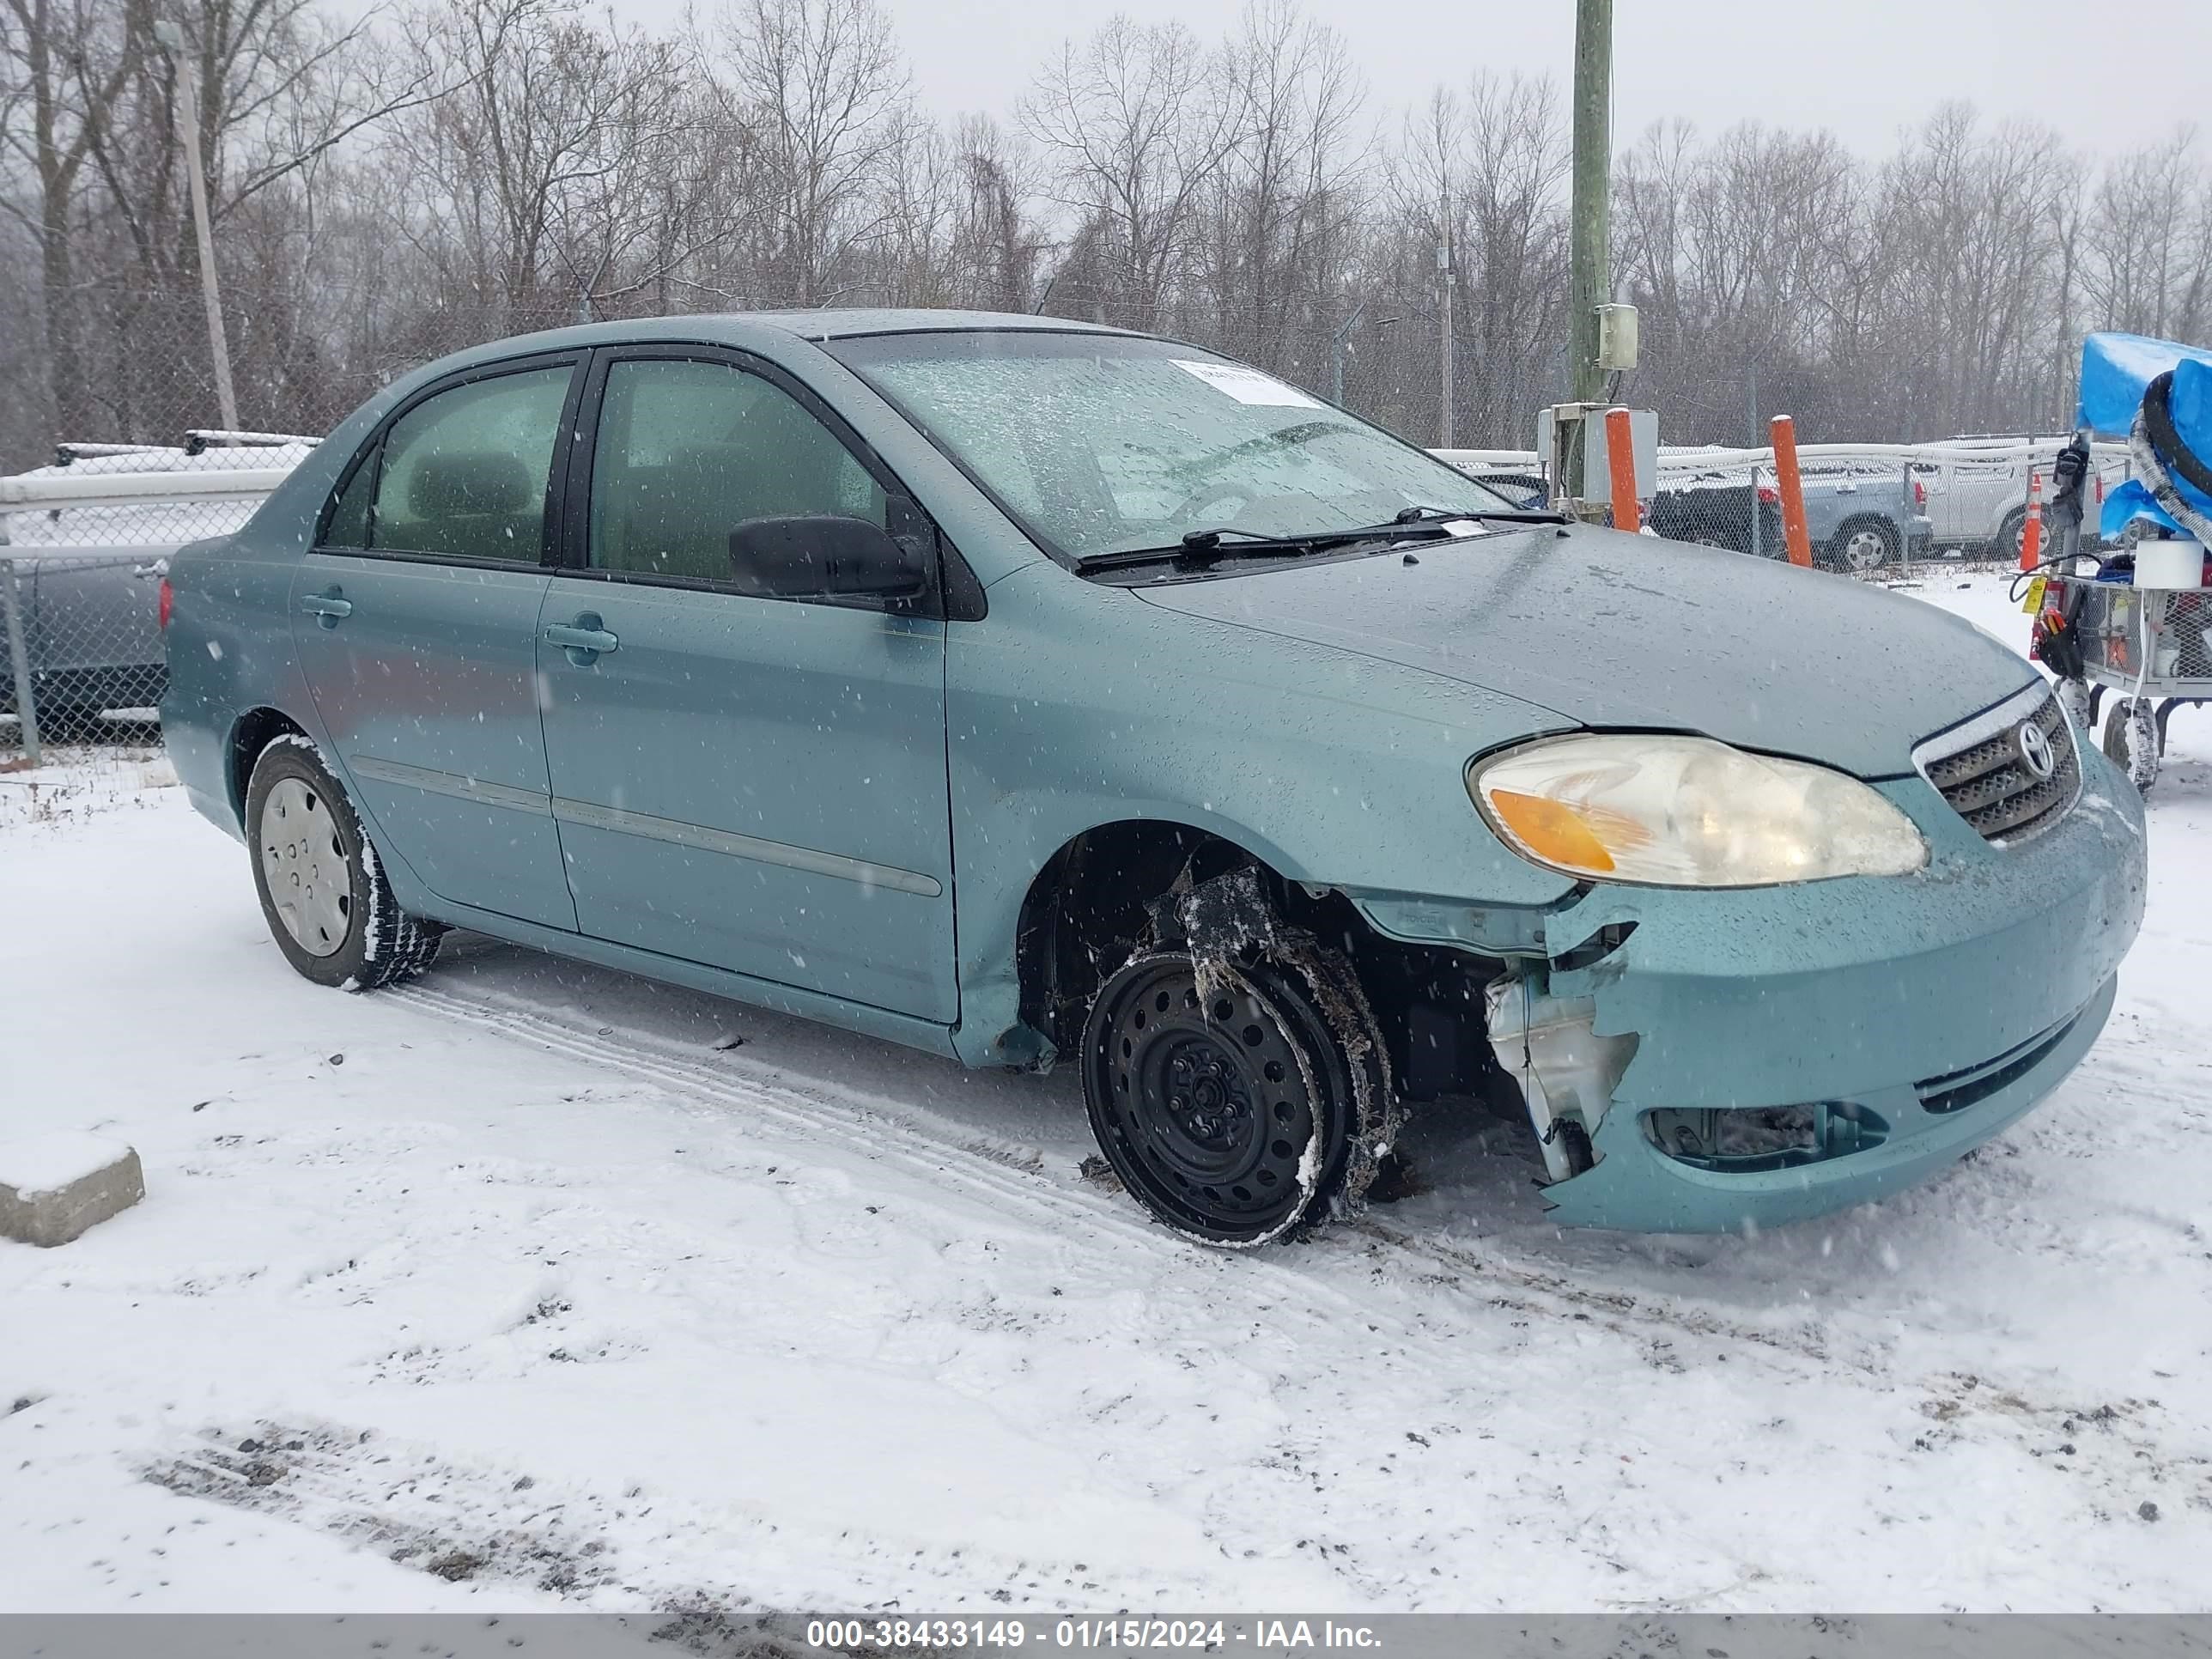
pixel 1031 693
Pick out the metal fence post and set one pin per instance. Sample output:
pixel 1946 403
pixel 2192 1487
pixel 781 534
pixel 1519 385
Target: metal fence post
pixel 19 658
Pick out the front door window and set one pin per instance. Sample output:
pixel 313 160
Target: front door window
pixel 688 452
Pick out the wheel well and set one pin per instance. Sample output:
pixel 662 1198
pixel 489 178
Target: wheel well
pixel 1084 913
pixel 1866 521
pixel 1088 910
pixel 255 731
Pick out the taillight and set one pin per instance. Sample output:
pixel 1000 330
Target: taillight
pixel 1768 495
pixel 166 603
pixel 1919 493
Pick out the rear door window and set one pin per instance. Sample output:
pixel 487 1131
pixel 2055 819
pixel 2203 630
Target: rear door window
pixel 462 475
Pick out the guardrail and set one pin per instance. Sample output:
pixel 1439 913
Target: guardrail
pixel 40 492
pixel 1679 462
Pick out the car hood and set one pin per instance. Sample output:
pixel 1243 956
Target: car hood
pixel 1608 629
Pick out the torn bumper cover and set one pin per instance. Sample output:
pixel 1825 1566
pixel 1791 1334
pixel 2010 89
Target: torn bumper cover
pixel 1750 1057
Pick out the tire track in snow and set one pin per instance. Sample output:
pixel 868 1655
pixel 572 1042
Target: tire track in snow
pixel 470 1521
pixel 879 1129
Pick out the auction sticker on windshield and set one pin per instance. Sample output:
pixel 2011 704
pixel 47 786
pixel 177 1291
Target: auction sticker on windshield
pixel 1248 386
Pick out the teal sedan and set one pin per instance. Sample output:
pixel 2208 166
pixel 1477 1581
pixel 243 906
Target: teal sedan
pixel 1032 693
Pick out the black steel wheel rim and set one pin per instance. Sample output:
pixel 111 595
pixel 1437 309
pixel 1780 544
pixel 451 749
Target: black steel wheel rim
pixel 1208 1103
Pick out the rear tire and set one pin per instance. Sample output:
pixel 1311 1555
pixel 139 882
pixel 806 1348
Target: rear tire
pixel 1862 545
pixel 323 892
pixel 2011 532
pixel 2131 741
pixel 1231 1102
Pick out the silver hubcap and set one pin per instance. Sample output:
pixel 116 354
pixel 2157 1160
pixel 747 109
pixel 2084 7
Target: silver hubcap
pixel 310 876
pixel 1863 551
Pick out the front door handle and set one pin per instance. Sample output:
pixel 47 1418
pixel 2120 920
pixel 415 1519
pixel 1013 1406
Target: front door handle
pixel 583 639
pixel 328 609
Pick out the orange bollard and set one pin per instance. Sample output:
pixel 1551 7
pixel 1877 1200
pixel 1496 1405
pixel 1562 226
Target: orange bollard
pixel 1794 536
pixel 1621 462
pixel 2031 532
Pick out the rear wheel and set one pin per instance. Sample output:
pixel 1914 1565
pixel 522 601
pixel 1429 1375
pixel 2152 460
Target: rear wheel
pixel 323 893
pixel 1862 545
pixel 2011 532
pixel 1231 1105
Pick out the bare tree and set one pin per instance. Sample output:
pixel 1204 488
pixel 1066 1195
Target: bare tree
pixel 383 194
pixel 823 95
pixel 1280 209
pixel 1135 123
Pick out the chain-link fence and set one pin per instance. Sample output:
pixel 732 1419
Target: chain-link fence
pixel 84 545
pixel 1741 512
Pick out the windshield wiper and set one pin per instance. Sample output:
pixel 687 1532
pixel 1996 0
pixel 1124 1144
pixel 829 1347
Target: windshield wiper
pixel 1199 549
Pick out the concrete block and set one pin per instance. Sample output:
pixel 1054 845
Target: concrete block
pixel 54 1187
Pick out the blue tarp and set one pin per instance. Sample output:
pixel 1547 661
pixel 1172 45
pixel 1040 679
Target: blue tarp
pixel 2128 503
pixel 2115 369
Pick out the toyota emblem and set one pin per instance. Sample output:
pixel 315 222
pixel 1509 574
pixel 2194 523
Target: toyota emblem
pixel 2035 749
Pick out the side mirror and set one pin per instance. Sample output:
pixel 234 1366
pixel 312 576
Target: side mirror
pixel 820 555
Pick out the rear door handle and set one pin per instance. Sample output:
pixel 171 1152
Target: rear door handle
pixel 328 609
pixel 585 640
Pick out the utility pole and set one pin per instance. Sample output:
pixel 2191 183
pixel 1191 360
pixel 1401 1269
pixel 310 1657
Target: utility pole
pixel 1336 343
pixel 1445 332
pixel 172 39
pixel 1590 285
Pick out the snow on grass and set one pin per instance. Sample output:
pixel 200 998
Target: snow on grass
pixel 74 780
pixel 524 1286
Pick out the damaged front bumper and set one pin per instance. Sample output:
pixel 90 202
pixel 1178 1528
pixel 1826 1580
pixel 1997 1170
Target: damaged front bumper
pixel 1749 1057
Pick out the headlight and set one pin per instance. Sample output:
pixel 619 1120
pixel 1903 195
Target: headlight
pixel 1687 812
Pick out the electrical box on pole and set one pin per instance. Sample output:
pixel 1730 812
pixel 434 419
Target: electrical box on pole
pixel 1564 430
pixel 1616 338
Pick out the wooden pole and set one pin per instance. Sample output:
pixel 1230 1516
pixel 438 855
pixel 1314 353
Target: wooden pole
pixel 1589 283
pixel 188 133
pixel 1794 536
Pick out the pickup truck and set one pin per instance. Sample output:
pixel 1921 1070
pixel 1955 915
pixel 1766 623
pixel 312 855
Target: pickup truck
pixel 1855 522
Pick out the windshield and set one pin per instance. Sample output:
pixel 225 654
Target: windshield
pixel 1101 444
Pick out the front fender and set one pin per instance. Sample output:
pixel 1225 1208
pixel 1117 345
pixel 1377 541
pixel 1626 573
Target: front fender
pixel 1075 705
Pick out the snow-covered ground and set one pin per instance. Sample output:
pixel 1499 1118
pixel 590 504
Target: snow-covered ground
pixel 521 1288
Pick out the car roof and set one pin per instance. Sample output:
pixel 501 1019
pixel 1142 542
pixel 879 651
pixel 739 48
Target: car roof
pixel 828 324
pixel 744 328
pixel 757 330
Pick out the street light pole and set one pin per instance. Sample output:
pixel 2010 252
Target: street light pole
pixel 171 39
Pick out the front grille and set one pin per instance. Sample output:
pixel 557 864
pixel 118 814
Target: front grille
pixel 1980 768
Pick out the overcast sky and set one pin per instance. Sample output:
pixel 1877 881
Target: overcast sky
pixel 1862 68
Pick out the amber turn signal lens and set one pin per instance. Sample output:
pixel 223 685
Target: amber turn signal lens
pixel 1554 832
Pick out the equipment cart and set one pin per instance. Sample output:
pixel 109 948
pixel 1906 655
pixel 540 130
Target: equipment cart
pixel 2136 624
pixel 2148 647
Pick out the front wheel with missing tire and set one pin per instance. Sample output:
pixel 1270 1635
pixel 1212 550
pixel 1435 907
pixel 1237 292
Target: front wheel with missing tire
pixel 323 893
pixel 1228 1101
